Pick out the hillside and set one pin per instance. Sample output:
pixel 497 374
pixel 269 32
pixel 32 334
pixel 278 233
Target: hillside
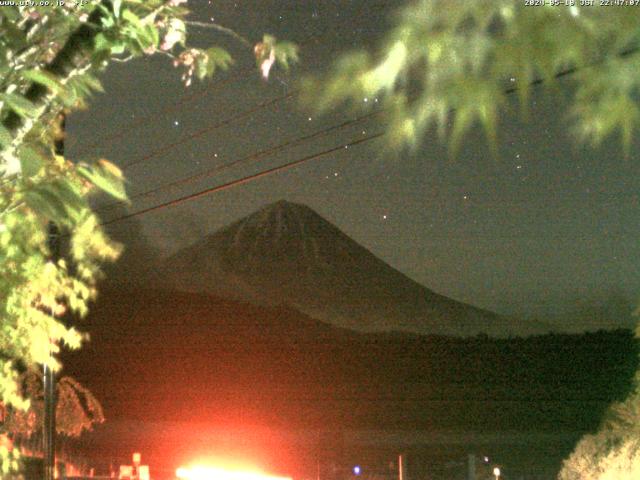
pixel 287 254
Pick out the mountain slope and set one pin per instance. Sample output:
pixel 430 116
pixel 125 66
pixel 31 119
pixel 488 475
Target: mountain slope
pixel 287 254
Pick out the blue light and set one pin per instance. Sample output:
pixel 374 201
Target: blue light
pixel 356 470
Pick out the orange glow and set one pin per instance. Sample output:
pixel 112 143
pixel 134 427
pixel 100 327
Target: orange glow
pixel 217 473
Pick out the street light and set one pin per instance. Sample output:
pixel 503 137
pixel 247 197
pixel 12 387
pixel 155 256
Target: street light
pixel 496 472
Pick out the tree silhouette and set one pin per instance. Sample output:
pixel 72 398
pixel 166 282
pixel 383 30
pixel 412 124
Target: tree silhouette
pixel 77 410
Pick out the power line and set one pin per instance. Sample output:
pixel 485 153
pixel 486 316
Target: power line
pixel 215 126
pixel 141 120
pixel 242 180
pixel 276 100
pixel 245 74
pixel 246 179
pixel 249 158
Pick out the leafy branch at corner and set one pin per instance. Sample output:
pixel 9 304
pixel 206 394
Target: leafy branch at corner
pixel 448 65
pixel 49 59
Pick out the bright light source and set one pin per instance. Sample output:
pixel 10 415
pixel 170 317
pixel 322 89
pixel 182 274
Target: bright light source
pixel 496 472
pixel 214 473
pixel 356 470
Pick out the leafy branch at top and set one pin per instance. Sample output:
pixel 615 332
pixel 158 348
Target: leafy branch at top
pixel 449 64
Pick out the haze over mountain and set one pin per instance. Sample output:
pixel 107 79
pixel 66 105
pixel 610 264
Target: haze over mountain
pixel 287 254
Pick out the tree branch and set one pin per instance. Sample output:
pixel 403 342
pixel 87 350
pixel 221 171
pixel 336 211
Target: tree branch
pixel 222 29
pixel 72 60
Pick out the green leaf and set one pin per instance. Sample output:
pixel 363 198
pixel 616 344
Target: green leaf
pixel 46 204
pixel 106 177
pixel 72 199
pixel 488 119
pixel 286 53
pixel 31 161
pixel 117 4
pixel 269 40
pixel 215 58
pixel 461 123
pixel 101 42
pixel 44 78
pixel 107 19
pixel 151 35
pixel 86 84
pixel 13 35
pixel 92 83
pixel 5 136
pixel 132 18
pixel 19 104
pixel 11 14
pixel 118 48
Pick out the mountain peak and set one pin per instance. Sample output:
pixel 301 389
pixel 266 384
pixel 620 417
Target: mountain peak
pixel 285 205
pixel 283 217
pixel 282 227
pixel 287 254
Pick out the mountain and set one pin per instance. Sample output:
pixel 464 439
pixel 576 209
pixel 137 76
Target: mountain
pixel 287 254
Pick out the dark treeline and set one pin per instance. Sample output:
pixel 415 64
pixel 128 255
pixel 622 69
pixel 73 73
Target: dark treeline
pixel 200 358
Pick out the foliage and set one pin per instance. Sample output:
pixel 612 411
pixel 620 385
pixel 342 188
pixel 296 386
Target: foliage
pixel 270 51
pixel 49 59
pixel 613 453
pixel 449 64
pixel 77 409
pixel 9 460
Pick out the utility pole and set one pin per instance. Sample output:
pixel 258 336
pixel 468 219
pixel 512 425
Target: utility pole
pixel 471 467
pixel 49 376
pixel 402 466
pixel 49 380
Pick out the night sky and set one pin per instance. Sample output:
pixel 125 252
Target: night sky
pixel 548 228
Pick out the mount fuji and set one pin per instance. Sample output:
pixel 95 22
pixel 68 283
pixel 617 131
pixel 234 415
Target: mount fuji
pixel 286 254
